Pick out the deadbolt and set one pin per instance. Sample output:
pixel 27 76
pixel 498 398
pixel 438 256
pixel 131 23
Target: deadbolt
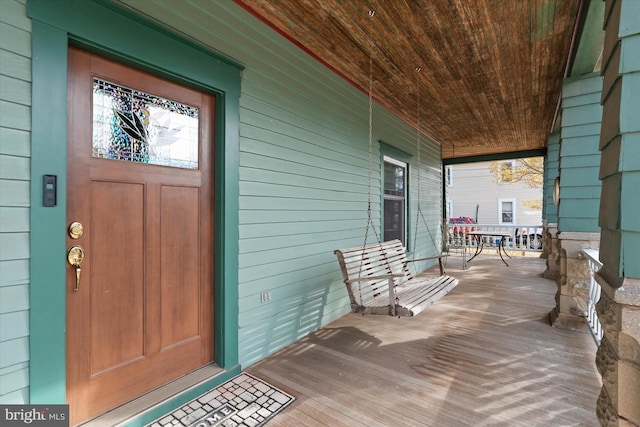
pixel 76 230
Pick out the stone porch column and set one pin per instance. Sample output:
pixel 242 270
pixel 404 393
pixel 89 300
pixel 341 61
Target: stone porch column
pixel 618 357
pixel 573 280
pixel 550 242
pixel 579 200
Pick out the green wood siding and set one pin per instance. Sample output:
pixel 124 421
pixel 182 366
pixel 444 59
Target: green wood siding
pixel 301 190
pixel 15 126
pixel 620 143
pixel 589 45
pixel 303 175
pixel 304 190
pixel 579 154
pixel 551 172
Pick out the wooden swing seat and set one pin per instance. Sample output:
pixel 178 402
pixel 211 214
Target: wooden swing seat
pixel 379 282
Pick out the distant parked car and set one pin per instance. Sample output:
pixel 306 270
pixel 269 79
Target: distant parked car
pixel 461 220
pixel 530 237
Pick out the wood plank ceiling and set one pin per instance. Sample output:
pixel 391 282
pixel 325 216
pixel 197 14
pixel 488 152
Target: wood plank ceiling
pixel 491 70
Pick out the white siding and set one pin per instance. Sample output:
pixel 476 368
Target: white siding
pixel 473 185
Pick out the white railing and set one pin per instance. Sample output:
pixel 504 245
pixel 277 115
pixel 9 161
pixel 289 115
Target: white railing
pixel 593 257
pixel 523 238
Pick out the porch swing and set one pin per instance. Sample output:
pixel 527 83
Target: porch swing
pixel 377 276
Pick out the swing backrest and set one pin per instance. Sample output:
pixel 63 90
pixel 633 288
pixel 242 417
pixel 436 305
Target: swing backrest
pixel 377 259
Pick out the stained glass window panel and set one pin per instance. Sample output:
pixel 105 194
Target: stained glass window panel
pixel 135 126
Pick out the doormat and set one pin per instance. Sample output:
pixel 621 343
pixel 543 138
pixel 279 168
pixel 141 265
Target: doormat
pixel 241 401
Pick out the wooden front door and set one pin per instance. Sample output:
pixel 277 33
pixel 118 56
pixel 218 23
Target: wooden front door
pixel 140 180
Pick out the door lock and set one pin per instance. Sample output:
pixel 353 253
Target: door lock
pixel 76 230
pixel 75 255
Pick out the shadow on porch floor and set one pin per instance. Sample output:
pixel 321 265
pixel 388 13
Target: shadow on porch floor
pixel 484 355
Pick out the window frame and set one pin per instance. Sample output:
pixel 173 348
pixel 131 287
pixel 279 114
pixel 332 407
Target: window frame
pixel 448 170
pixel 513 207
pixel 404 157
pixel 504 165
pixel 386 158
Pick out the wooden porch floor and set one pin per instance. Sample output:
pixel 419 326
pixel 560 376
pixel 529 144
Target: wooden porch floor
pixel 484 355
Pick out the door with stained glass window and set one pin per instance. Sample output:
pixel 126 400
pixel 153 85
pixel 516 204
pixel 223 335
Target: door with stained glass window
pixel 140 305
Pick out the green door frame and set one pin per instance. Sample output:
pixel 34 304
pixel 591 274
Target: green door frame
pixel 105 29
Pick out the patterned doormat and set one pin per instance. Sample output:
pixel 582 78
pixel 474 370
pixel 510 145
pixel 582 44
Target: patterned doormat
pixel 242 401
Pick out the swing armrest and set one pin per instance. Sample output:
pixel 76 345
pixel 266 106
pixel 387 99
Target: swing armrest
pixel 439 258
pixel 367 278
pixel 424 259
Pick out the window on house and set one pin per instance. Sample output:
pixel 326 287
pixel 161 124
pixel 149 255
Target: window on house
pixel 449 175
pixel 395 200
pixel 506 171
pixel 507 211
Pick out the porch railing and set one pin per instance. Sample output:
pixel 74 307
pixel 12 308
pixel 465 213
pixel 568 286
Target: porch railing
pixel 593 257
pixel 522 238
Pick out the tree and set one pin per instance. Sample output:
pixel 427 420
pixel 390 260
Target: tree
pixel 528 171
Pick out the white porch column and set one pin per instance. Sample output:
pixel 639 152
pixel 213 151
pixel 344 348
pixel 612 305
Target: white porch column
pixel 573 280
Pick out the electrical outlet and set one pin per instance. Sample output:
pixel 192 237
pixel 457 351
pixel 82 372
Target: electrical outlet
pixel 265 297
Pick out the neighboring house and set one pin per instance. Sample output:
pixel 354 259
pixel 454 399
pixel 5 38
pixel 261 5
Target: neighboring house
pixel 472 191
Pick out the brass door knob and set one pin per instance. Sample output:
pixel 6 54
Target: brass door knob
pixel 75 255
pixel 76 230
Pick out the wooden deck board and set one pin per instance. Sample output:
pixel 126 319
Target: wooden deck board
pixel 484 355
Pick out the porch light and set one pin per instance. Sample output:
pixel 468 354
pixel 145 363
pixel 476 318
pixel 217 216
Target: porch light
pixel 556 191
